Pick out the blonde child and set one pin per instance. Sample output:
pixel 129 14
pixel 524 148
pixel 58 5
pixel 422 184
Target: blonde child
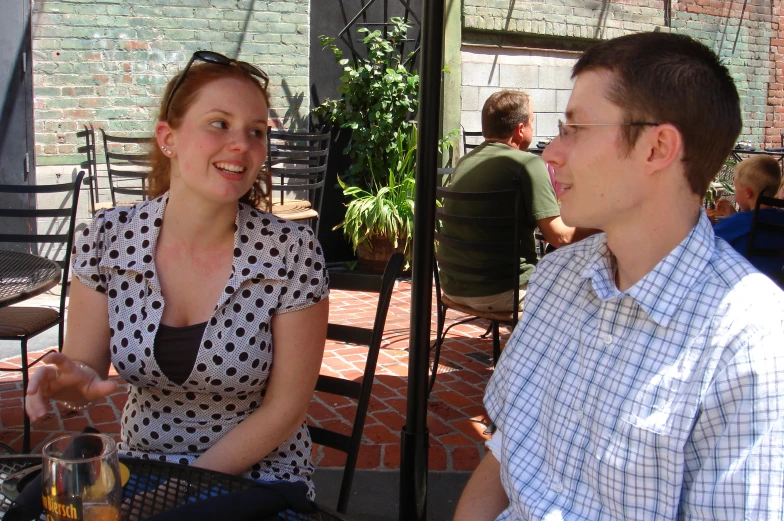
pixel 752 176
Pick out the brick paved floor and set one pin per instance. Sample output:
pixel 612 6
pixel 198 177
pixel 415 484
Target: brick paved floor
pixel 456 418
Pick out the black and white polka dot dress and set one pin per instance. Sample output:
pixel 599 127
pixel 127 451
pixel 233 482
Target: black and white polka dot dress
pixel 278 267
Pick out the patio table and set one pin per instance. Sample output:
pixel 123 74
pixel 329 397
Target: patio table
pixel 24 275
pixel 738 153
pixel 150 484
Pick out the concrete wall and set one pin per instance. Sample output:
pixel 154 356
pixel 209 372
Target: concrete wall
pixel 107 61
pixel 747 35
pixel 544 75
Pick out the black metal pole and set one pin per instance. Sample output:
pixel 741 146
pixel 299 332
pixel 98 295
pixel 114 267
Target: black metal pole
pixel 414 437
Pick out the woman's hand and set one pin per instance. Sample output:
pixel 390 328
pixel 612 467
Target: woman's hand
pixel 64 379
pixel 725 207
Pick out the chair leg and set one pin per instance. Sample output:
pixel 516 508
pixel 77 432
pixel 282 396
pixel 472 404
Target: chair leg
pixel 496 343
pixel 440 320
pixel 25 378
pixel 61 332
pixel 488 331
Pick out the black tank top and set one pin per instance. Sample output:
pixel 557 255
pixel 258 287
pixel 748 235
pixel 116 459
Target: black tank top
pixel 176 348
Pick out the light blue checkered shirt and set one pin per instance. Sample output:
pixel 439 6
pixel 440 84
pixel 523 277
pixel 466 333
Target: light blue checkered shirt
pixel 665 401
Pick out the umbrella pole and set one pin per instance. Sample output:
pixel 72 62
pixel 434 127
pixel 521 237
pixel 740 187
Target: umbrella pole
pixel 414 437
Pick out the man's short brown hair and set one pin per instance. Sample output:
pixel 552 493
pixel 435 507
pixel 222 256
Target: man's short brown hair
pixel 502 112
pixel 671 78
pixel 760 173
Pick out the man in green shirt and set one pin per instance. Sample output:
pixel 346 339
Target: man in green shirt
pixel 507 126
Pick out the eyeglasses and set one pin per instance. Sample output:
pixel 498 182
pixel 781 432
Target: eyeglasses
pixel 214 57
pixel 563 133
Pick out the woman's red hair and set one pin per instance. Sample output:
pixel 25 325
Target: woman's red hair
pixel 197 77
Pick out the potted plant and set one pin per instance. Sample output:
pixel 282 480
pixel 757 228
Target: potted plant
pixel 378 103
pixel 721 183
pixel 380 220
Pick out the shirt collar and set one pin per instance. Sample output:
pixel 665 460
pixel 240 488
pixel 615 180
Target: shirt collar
pixel 142 258
pixel 660 292
pixel 246 265
pixel 139 256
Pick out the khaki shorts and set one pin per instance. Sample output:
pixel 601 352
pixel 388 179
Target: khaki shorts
pixel 498 302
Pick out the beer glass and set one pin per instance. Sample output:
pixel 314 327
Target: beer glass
pixel 81 479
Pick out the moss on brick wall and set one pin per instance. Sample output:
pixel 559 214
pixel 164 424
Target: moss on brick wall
pixel 107 61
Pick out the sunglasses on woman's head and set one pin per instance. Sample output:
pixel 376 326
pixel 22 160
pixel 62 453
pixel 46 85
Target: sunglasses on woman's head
pixel 214 57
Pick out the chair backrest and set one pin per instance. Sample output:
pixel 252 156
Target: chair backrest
pixel 357 390
pixel 61 228
pixel 444 176
pixel 766 239
pixel 505 216
pixel 127 170
pixel 297 162
pixel 471 140
pixel 90 164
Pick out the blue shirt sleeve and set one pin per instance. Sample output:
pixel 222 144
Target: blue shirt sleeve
pixel 735 230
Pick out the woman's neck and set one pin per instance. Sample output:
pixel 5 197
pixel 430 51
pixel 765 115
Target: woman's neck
pixel 196 223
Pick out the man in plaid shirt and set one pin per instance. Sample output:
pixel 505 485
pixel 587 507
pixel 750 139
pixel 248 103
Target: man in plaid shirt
pixel 646 377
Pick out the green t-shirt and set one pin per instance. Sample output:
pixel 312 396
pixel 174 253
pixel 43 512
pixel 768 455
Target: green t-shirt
pixel 489 167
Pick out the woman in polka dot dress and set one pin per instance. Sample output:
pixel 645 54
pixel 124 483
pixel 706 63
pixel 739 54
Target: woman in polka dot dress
pixel 191 293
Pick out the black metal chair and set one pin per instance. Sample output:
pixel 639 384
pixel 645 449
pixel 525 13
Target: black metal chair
pixel 23 323
pixel 507 244
pixel 297 163
pixel 127 170
pixel 770 231
pixel 471 140
pixel 444 176
pixel 90 166
pixel 357 390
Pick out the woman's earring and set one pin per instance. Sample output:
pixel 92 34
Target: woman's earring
pixel 165 150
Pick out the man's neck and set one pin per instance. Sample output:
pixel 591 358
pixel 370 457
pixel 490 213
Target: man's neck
pixel 508 142
pixel 641 243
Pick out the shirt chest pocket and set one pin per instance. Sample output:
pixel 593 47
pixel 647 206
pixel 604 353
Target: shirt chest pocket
pixel 636 461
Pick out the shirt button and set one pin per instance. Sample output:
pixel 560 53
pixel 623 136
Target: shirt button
pixel 608 339
pixel 556 487
pixel 578 415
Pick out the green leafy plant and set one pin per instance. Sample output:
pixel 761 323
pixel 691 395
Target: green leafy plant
pixel 385 210
pixel 379 100
pixel 727 186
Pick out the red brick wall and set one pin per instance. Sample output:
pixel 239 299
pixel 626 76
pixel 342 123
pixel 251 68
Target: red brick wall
pixel 774 116
pixel 756 12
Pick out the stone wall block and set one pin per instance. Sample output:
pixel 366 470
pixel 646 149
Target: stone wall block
pixel 471 120
pixel 469 99
pixel 561 100
pixel 519 76
pixel 544 100
pixel 555 78
pixel 481 74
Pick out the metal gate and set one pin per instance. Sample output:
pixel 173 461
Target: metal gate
pixel 16 108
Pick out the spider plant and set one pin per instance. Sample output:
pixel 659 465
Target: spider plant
pixel 385 209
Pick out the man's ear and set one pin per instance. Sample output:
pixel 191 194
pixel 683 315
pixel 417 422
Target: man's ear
pixel 518 134
pixel 664 145
pixel 164 135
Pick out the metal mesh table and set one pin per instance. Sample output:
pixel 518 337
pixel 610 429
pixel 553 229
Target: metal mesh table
pixel 24 275
pixel 156 486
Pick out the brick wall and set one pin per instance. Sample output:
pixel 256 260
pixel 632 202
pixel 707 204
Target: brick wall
pixel 747 35
pixel 107 61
